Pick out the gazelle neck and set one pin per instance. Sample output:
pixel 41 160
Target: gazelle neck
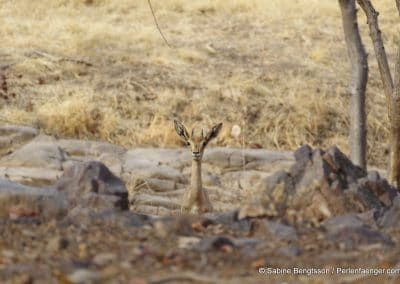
pixel 195 181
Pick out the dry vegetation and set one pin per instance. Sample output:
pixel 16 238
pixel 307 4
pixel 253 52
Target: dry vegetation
pixel 99 69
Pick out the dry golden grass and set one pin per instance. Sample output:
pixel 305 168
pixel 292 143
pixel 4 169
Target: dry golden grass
pixel 276 68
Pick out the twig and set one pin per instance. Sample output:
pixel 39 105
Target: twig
pixel 60 59
pixel 6 66
pixel 158 27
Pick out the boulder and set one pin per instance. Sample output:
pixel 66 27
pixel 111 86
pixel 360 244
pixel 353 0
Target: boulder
pixel 36 154
pixel 12 136
pixel 86 216
pixel 341 222
pixel 273 230
pixel 89 148
pixel 176 158
pixel 93 184
pixel 350 238
pixel 391 218
pixel 227 219
pixel 18 201
pixel 320 185
pixel 30 176
pixel 235 159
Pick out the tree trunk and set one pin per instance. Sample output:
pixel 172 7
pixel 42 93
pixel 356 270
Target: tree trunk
pixel 359 78
pixel 395 123
pixel 392 89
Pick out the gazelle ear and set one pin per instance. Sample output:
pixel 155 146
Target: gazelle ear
pixel 213 133
pixel 181 130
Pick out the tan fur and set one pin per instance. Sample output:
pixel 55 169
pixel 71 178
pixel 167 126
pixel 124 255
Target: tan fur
pixel 196 199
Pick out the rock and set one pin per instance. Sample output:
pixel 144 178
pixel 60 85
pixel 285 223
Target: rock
pixel 103 259
pixel 210 179
pixel 350 238
pixel 93 183
pixel 228 219
pixel 319 185
pixel 213 243
pixel 155 184
pixel 57 243
pixel 380 187
pixel 30 176
pixel 109 216
pixel 18 201
pixel 391 218
pixel 218 157
pixel 133 219
pixel 12 136
pixel 84 276
pixel 235 159
pixel 157 201
pixel 248 181
pixel 272 229
pixel 257 208
pixel 153 210
pixel 158 172
pixel 290 251
pixel 142 157
pixel 89 148
pixel 36 154
pixel 341 222
pixel 176 225
pixel 187 242
pixel 245 242
pixel 114 163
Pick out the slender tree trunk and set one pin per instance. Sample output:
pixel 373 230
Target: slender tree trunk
pixel 359 78
pixel 392 89
pixel 395 124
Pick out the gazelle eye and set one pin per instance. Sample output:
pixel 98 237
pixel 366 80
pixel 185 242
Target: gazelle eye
pixel 187 143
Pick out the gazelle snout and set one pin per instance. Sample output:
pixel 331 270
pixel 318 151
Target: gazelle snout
pixel 196 154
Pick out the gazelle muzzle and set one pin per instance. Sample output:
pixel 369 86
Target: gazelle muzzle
pixel 196 155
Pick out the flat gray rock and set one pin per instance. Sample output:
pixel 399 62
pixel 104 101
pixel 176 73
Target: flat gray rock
pixel 76 147
pixel 233 158
pixel 143 157
pixel 36 154
pixel 143 169
pixel 18 200
pixel 12 136
pixel 30 176
pixel 341 222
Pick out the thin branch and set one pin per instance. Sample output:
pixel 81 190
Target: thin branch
pixel 158 27
pixel 398 5
pixel 372 19
pixel 59 59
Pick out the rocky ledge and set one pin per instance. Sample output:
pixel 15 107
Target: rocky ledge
pixel 90 212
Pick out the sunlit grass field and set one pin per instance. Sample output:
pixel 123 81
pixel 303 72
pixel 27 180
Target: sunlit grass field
pixel 277 70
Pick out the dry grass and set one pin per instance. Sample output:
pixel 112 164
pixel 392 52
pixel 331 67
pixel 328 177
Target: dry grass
pixel 276 68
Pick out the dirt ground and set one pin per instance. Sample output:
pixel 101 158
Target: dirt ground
pixel 276 70
pixel 157 256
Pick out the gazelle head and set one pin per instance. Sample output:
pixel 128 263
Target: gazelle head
pixel 197 142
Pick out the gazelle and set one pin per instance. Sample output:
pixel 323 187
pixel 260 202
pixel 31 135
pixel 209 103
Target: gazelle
pixel 195 199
